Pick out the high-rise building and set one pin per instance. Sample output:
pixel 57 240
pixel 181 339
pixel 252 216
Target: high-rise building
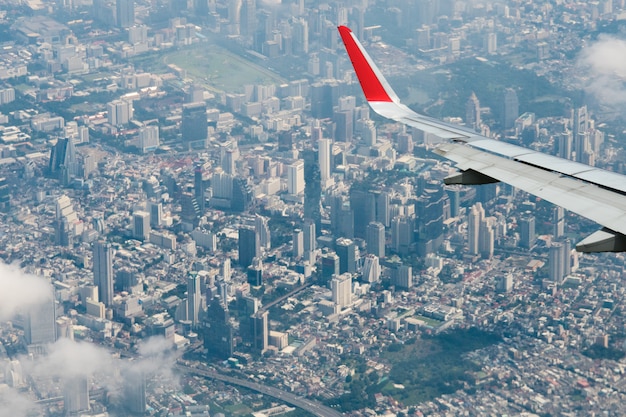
pixel 255 273
pixel 262 229
pixel 298 243
pixel 249 246
pixel 330 267
pixel 510 111
pixel 312 188
pixel 504 283
pixel 558 222
pixel 486 237
pixel 371 268
pixel 198 187
pixel 218 332
pixel 120 112
pixel 347 252
pixel 194 298
pixel 141 225
pixel 134 388
pixel 363 204
pixel 40 322
pixel 125 13
pixel 324 158
pixel 527 231
pixel 559 260
pixel 402 276
pixel 148 138
pixel 341 287
pixel 472 112
pixel 103 271
pixel 375 239
pixel 156 214
pixel 261 331
pixel 194 127
pixel 295 178
pixel 475 217
pixel 565 143
pixel 190 211
pixel 309 238
pixel 401 234
pixel 5 195
pixel 63 163
pixel 75 395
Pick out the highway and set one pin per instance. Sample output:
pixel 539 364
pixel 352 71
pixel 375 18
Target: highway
pixel 313 407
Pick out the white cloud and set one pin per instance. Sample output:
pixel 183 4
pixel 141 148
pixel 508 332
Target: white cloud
pixel 602 65
pixel 19 290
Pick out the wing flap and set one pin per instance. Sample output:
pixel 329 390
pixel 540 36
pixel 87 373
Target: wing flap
pixel 588 200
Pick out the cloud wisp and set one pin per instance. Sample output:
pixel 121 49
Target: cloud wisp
pixel 602 66
pixel 19 291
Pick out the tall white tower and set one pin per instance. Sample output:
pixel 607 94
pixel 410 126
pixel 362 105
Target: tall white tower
pixel 295 177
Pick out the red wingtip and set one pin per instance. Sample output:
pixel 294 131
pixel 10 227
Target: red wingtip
pixel 371 85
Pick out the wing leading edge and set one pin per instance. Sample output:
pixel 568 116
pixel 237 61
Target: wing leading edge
pixel 590 192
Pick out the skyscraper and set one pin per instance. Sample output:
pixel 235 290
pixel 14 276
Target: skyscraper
pixel 75 395
pixel 125 13
pixel 375 239
pixel 371 269
pixel 346 250
pixel 298 243
pixel 261 331
pixel 141 225
pixel 194 298
pixel 402 276
pixel 249 246
pixel 475 217
pixel 194 127
pixel 527 231
pixel 120 112
pixel 472 112
pixel 198 187
pixel 312 189
pixel 103 271
pixel 330 267
pixel 134 390
pixel 63 163
pixel 324 157
pixel 262 229
pixel 558 222
pixel 341 287
pixel 363 204
pixel 510 111
pixel 40 322
pixel 295 178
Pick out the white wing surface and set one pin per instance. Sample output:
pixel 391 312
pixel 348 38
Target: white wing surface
pixel 594 193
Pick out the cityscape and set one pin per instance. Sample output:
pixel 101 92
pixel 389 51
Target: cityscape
pixel 201 215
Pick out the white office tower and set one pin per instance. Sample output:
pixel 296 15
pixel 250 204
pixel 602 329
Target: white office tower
pixel 149 138
pixel 156 214
pixel 295 178
pixel 194 298
pixel 225 270
pixel 375 239
pixel 558 222
pixel 78 134
pixel 262 229
pixel 325 149
pixel 75 395
pixel 560 260
pixel 298 243
pixel 309 240
pixel 371 269
pixel 65 328
pixel 476 215
pixel 40 322
pixel 103 271
pixel 222 185
pixel 120 112
pixel 13 374
pixel 341 287
pixel 486 237
pixel 229 154
pixel 141 225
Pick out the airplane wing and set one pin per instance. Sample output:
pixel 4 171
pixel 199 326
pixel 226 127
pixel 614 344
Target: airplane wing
pixel 594 193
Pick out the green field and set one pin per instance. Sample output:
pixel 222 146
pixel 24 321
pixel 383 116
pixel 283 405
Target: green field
pixel 209 65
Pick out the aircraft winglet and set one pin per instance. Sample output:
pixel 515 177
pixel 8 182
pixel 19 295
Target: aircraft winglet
pixel 374 85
